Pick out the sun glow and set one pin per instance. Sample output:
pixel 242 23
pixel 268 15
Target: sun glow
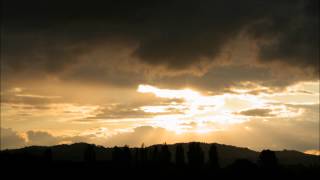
pixel 209 113
pixel 202 110
pixel 186 94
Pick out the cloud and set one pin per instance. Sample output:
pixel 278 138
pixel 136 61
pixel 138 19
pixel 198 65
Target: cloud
pixel 122 42
pixel 144 134
pixel 294 38
pixel 255 134
pixel 42 138
pixel 125 111
pixel 11 139
pixel 283 132
pixel 276 133
pixel 256 112
pixel 18 96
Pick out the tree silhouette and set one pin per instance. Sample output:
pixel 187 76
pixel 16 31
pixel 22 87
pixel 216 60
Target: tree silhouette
pixel 242 167
pixel 155 155
pixel 143 155
pixel 48 155
pixel 126 156
pixel 137 157
pixel 268 163
pixel 180 159
pixel 268 159
pixel 116 156
pixel 165 155
pixel 89 153
pixel 66 159
pixel 195 155
pixel 213 157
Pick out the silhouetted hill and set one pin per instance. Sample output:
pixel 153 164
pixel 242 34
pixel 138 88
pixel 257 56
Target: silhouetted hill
pixel 227 154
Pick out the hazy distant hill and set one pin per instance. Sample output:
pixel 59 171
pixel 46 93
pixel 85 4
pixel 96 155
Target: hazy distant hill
pixel 227 153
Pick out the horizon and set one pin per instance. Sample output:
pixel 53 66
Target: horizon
pixel 131 72
pixel 170 144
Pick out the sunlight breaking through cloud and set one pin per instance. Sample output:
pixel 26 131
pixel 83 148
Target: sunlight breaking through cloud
pixel 215 112
pixel 187 94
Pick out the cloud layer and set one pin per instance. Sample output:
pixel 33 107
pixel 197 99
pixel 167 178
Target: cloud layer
pixel 70 72
pixel 293 134
pixel 76 39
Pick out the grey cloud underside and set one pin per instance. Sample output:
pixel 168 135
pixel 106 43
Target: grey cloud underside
pixel 311 111
pixel 53 37
pixel 11 139
pixel 257 112
pixel 129 111
pixel 46 139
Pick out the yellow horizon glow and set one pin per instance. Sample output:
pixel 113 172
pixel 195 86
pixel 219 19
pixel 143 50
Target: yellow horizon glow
pixel 313 152
pixel 175 114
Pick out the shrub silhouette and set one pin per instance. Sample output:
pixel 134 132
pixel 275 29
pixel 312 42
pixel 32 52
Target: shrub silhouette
pixel 195 155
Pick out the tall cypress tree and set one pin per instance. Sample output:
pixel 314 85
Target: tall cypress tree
pixel 268 159
pixel 89 153
pixel 213 157
pixel 116 156
pixel 195 155
pixel 137 157
pixel 165 155
pixel 155 156
pixel 126 156
pixel 48 155
pixel 143 155
pixel 180 159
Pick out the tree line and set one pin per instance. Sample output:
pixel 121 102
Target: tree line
pixel 160 155
pixel 182 160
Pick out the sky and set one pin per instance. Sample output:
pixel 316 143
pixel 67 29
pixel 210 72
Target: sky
pixel 244 73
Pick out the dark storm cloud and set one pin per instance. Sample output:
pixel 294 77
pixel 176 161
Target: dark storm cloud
pixel 221 79
pixel 293 32
pixel 54 36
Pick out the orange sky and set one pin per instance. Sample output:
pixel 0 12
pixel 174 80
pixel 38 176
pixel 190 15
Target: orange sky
pixel 116 73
